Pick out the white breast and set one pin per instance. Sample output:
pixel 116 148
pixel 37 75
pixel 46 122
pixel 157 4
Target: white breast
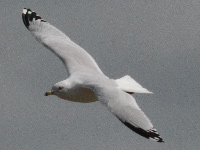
pixel 80 94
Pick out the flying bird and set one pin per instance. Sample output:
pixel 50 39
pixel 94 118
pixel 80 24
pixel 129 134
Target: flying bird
pixel 86 82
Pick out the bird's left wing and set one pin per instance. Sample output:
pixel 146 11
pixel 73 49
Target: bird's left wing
pixel 72 55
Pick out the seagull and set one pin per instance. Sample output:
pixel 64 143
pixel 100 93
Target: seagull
pixel 86 82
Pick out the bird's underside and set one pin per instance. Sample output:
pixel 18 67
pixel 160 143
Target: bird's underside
pixel 81 95
pixel 86 82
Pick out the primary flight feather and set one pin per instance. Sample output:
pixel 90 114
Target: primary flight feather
pixel 86 82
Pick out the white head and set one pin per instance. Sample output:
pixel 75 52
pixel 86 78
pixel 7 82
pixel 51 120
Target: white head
pixel 68 90
pixel 58 89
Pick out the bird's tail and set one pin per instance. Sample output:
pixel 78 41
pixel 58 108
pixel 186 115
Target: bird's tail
pixel 129 85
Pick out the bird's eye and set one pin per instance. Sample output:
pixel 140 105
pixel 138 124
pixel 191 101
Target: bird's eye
pixel 60 88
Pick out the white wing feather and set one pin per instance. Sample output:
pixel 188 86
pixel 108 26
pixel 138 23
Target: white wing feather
pixel 124 107
pixel 72 55
pixel 128 84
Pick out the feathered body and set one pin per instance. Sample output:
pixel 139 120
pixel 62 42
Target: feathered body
pixel 86 81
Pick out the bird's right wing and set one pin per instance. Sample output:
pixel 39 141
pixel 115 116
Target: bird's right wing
pixel 124 107
pixel 72 55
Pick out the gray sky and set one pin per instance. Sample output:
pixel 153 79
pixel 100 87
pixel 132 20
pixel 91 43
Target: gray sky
pixel 155 42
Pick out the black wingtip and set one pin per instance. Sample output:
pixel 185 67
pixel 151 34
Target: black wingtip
pixel 25 17
pixel 28 15
pixel 150 134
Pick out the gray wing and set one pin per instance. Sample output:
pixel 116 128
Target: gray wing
pixel 72 55
pixel 124 107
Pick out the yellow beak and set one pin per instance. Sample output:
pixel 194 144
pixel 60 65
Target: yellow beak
pixel 48 93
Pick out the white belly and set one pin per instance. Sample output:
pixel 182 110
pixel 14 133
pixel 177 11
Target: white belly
pixel 82 95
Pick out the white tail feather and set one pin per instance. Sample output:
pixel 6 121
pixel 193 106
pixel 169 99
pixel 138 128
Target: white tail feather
pixel 129 85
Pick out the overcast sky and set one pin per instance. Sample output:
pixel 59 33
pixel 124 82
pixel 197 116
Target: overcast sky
pixel 155 42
